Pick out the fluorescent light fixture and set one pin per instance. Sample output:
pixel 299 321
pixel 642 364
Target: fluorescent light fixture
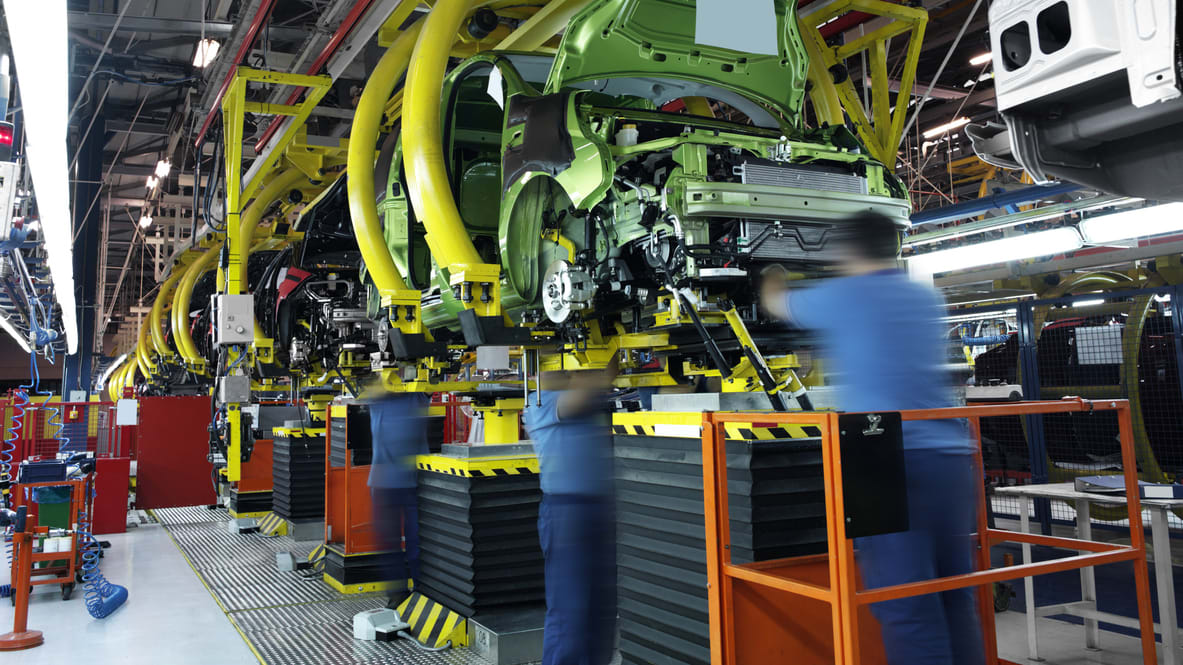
pixel 981 58
pixel 980 316
pixel 1015 248
pixel 948 126
pixel 1092 302
pixel 16 334
pixel 207 50
pixel 1137 223
pixel 145 221
pixel 153 181
pixel 37 31
pixel 162 168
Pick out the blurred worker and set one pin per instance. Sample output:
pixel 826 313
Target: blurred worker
pixel 882 334
pixel 570 428
pixel 398 428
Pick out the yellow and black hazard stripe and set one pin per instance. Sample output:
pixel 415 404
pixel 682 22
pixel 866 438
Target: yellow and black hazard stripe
pixel 272 525
pixel 316 554
pixel 633 430
pixel 479 468
pixel 432 624
pixel 298 432
pixel 753 432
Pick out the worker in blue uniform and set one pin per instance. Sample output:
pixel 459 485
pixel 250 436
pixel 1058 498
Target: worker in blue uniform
pixel 398 431
pixel 883 338
pixel 570 426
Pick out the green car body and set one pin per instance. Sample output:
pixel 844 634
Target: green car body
pixel 535 146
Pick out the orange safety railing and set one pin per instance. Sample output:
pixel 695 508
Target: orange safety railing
pixel 772 609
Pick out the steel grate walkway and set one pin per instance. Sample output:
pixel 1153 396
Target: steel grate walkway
pixel 286 619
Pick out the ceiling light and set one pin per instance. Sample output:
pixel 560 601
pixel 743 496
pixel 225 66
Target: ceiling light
pixel 981 58
pixel 1091 302
pixel 162 168
pixel 153 181
pixel 145 221
pixel 1031 245
pixel 1137 223
pixel 16 334
pixel 941 129
pixel 207 50
pixel 37 32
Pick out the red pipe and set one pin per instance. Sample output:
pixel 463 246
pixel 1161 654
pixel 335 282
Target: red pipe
pixel 843 23
pixel 243 48
pixel 327 52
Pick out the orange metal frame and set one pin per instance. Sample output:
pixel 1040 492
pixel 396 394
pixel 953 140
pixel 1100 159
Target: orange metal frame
pixel 349 510
pixel 62 574
pixel 748 589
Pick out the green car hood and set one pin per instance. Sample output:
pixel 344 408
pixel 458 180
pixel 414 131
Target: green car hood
pixel 647 48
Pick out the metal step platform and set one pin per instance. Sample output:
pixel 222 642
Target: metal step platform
pixel 286 619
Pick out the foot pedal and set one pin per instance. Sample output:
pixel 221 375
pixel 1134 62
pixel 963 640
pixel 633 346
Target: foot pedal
pixel 242 525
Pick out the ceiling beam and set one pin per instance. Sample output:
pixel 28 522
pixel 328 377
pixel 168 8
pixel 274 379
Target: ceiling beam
pixel 173 26
pixel 146 128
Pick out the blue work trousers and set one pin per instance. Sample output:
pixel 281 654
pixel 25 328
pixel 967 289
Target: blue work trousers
pixel 578 536
pixel 941 628
pixel 396 518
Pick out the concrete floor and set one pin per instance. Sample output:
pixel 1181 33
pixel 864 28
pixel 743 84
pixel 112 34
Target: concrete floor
pixel 170 617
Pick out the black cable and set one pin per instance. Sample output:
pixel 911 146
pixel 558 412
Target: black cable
pixel 164 83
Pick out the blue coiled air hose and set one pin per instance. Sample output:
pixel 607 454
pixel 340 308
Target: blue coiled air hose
pixel 19 406
pixel 101 597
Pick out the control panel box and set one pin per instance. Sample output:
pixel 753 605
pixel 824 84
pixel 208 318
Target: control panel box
pixel 234 389
pixel 234 319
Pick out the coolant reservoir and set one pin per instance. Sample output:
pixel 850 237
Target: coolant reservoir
pixel 627 135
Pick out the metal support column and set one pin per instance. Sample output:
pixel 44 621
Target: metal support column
pixel 1177 330
pixel 76 370
pixel 1036 444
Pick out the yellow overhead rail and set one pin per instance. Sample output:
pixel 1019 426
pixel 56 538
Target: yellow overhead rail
pixel 180 314
pixel 423 146
pixel 274 191
pixel 142 350
pixel 367 120
pixel 882 130
pixel 156 317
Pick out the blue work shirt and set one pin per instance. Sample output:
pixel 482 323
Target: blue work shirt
pixel 574 454
pixel 885 343
pixel 398 428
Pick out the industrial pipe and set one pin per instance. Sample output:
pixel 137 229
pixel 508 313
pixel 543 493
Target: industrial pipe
pixel 981 205
pixel 115 380
pixel 129 378
pixel 180 313
pixel 140 364
pixel 142 349
pixel 423 149
pixel 156 316
pixel 360 166
pixel 253 214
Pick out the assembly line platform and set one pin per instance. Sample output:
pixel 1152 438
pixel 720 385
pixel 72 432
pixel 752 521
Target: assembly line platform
pixel 286 619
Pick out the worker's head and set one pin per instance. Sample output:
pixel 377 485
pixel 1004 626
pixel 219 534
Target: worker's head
pixel 867 242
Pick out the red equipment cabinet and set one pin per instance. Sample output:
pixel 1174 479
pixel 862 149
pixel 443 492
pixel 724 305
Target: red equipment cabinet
pixel 171 448
pixel 111 478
